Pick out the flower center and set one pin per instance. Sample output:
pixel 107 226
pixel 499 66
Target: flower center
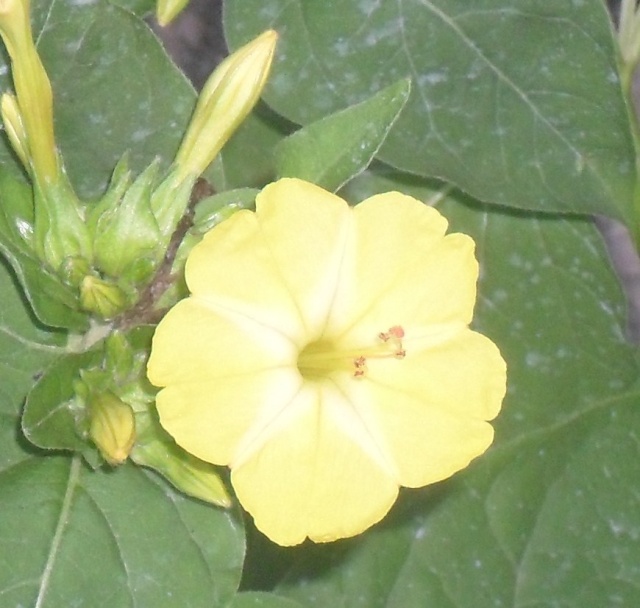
pixel 320 358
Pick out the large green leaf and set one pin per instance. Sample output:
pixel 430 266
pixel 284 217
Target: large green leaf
pixel 256 599
pixel 549 515
pixel 71 536
pixel 517 102
pixel 25 351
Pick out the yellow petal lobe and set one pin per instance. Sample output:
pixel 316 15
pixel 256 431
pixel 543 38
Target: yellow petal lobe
pixel 310 479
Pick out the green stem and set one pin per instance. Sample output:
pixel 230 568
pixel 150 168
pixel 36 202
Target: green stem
pixel 63 520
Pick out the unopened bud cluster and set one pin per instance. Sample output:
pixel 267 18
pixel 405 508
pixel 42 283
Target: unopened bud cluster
pixel 107 251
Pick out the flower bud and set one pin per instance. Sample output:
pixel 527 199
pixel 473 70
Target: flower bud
pixel 14 127
pixel 225 101
pixel 33 89
pixel 628 40
pixel 101 297
pixel 111 427
pixel 168 10
pixel 59 228
pixel 126 234
pixel 155 449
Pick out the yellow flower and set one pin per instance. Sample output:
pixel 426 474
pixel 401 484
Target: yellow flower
pixel 324 355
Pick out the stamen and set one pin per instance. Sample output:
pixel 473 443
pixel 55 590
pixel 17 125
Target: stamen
pixel 394 338
pixel 320 358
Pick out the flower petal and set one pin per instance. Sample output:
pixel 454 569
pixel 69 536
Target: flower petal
pixel 311 479
pixel 233 266
pixel 464 375
pixel 426 443
pixel 216 419
pixel 404 271
pixel 196 342
pixel 306 228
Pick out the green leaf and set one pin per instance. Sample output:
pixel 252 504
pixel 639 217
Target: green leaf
pixel 331 151
pixel 139 7
pixel 214 209
pixel 515 102
pixel 549 515
pixel 50 420
pixel 258 599
pixel 25 350
pixel 120 538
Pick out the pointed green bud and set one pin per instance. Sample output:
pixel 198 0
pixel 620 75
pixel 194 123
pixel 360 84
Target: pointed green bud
pixel 225 101
pixel 59 228
pixel 168 10
pixel 127 236
pixel 111 426
pixel 118 184
pixel 186 472
pixel 101 297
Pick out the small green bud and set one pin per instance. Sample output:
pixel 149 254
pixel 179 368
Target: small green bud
pixel 102 298
pixel 111 427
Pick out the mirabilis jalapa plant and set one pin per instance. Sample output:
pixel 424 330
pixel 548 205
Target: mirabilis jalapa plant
pixel 315 346
pixel 324 353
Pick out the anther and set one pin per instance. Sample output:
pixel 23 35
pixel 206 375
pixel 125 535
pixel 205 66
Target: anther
pixel 360 364
pixel 392 337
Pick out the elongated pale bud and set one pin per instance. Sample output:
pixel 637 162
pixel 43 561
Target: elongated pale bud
pixel 112 427
pixel 629 32
pixel 59 230
pixel 14 127
pixel 168 10
pixel 226 99
pixel 33 90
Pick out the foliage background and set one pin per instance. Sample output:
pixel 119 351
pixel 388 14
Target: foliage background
pixel 535 142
